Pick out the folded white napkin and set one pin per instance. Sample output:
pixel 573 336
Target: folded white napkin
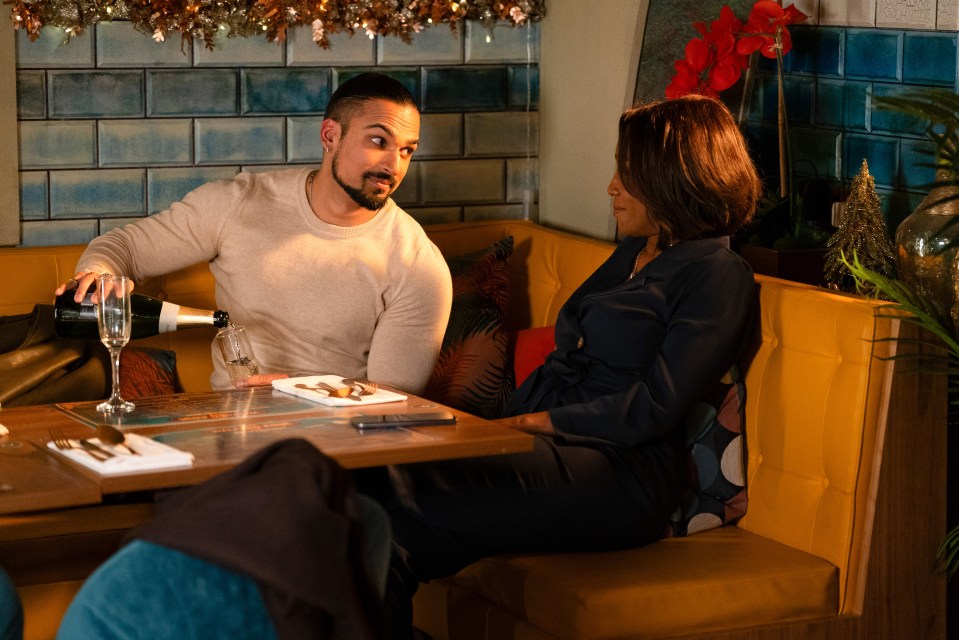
pixel 153 456
pixel 304 387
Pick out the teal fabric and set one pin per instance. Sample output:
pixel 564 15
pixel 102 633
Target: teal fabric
pixel 150 592
pixel 11 613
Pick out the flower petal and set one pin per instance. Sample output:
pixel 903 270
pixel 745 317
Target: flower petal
pixel 722 76
pixel 698 54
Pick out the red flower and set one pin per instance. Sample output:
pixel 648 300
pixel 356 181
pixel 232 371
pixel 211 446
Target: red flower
pixel 715 62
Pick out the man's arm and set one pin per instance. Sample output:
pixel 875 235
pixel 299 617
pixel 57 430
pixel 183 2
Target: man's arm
pixel 410 332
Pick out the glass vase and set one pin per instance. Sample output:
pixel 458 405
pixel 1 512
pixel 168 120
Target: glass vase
pixel 927 247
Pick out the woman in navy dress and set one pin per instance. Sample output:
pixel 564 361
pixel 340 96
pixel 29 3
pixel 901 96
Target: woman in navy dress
pixel 637 345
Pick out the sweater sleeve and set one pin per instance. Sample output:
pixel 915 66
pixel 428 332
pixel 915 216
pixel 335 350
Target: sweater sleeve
pixel 705 333
pixel 185 234
pixel 409 333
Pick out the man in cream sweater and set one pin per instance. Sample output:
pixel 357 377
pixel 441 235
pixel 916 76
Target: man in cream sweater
pixel 324 270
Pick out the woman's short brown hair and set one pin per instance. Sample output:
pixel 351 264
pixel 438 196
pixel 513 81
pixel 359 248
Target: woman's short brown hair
pixel 687 161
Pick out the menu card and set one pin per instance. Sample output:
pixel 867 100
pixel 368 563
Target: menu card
pixel 150 456
pixel 312 388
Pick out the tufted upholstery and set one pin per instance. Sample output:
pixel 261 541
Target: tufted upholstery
pixel 828 541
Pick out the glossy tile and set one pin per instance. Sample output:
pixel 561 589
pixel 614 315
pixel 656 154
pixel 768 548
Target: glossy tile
pixel 138 143
pixel 52 50
pixel 441 135
pixel 33 195
pixel 522 179
pixel 506 43
pixel 476 213
pixel 882 154
pixel 892 122
pixel 436 215
pixel 873 54
pixel 119 44
pixel 816 50
pixel 247 52
pixel 506 133
pixel 906 14
pixel 99 193
pixel 462 181
pixel 408 77
pixel 408 193
pixel 57 144
pixel 916 164
pixel 194 92
pixel 239 140
pixel 816 152
pixel 799 96
pixel 54 233
pixel 92 94
pixel 465 89
pixel 344 49
pixel 303 139
pixel 31 95
pixel 929 58
pixel 284 90
pixel 107 224
pixel 841 103
pixel 166 186
pixel 524 88
pixel 433 45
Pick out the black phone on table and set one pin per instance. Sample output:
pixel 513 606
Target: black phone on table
pixel 393 420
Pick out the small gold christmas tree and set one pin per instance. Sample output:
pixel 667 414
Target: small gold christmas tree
pixel 862 232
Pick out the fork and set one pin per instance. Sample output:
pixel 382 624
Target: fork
pixel 60 441
pixel 367 387
pixel 338 393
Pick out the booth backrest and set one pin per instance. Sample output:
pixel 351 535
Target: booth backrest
pixel 816 388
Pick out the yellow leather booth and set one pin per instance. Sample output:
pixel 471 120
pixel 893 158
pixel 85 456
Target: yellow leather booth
pixel 845 470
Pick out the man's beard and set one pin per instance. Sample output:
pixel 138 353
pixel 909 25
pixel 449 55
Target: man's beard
pixel 370 201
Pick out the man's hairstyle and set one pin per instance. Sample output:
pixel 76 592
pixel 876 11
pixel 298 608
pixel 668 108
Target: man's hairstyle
pixel 687 161
pixel 362 88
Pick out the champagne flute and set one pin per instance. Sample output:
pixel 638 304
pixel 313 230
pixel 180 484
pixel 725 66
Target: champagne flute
pixel 113 319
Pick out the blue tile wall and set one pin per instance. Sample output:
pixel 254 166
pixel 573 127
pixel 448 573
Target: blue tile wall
pixel 285 90
pixel 874 54
pixel 31 95
pixel 929 58
pixel 86 94
pixel 95 194
pixel 114 126
pixel 460 89
pixel 204 92
pixel 831 75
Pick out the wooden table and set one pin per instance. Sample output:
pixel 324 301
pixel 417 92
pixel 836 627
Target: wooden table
pixel 221 429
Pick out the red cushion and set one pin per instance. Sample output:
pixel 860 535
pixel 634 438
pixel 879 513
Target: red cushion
pixel 532 347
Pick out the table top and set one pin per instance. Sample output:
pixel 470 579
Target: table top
pixel 221 429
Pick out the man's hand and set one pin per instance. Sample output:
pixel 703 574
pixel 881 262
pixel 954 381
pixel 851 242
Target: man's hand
pixel 535 423
pixel 82 282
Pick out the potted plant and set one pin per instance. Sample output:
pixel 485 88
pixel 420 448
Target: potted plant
pixel 781 241
pixel 939 109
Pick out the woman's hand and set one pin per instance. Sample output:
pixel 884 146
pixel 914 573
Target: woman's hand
pixel 535 423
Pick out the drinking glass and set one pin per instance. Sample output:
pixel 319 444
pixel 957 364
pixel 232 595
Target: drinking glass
pixel 235 346
pixel 113 319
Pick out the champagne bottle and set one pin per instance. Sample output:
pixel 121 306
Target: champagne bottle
pixel 150 316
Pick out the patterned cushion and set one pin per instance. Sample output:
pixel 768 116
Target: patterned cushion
pixel 147 372
pixel 716 486
pixel 473 371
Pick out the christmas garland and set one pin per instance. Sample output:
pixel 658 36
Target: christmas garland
pixel 202 19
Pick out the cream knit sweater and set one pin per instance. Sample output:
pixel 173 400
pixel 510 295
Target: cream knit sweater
pixel 366 301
